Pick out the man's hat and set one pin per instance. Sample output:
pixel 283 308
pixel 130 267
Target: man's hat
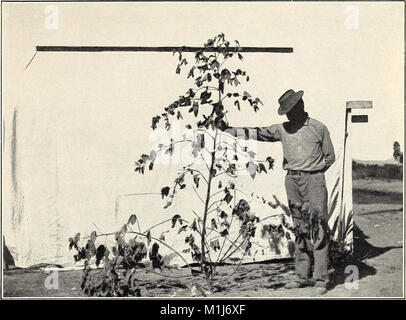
pixel 288 100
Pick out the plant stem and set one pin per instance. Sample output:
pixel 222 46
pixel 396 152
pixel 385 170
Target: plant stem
pixel 208 194
pixel 206 206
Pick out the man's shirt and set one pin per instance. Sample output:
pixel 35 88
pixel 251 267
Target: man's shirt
pixel 308 148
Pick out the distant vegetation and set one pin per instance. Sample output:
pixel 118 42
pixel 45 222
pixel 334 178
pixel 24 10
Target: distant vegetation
pixel 376 169
pixel 388 169
pixel 397 153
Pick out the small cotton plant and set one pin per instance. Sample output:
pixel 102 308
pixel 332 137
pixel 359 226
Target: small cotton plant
pixel 214 94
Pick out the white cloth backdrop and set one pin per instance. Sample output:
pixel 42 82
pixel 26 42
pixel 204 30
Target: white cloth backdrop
pixel 68 158
pixel 44 203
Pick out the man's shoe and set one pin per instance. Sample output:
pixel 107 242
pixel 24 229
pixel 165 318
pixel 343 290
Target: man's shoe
pixel 320 286
pixel 294 285
pixel 320 291
pixel 298 283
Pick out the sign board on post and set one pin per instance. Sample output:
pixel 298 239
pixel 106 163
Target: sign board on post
pixel 362 118
pixel 359 104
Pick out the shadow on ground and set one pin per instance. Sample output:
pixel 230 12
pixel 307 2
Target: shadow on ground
pixel 362 250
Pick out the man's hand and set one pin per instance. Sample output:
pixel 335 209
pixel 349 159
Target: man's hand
pixel 222 125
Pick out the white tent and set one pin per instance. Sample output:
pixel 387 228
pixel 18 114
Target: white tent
pixel 69 167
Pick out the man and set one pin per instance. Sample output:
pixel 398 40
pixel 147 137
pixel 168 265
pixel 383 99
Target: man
pixel 307 154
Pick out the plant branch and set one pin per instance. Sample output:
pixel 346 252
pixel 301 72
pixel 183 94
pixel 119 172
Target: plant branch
pixel 162 222
pixel 228 250
pixel 199 172
pixel 198 195
pixel 214 203
pixel 207 166
pixel 204 131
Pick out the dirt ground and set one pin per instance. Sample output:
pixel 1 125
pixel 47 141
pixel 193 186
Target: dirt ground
pixel 378 243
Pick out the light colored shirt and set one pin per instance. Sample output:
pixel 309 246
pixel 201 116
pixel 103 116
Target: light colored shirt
pixel 308 148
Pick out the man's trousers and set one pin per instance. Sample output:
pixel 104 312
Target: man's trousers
pixel 307 197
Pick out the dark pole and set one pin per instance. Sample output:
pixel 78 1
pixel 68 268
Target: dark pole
pixel 161 49
pixel 347 117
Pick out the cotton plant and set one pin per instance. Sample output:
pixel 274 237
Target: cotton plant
pixel 216 161
pixel 215 93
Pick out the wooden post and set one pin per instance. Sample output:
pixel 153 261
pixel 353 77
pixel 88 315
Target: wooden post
pixel 354 119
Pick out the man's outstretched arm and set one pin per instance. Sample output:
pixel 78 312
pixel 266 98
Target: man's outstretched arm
pixel 267 134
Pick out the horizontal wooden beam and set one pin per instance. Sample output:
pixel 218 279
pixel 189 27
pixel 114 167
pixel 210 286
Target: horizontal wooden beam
pixel 359 105
pixel 362 118
pixel 162 49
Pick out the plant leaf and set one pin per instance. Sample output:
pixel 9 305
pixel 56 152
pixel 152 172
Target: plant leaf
pixel 196 179
pixel 190 239
pixel 194 225
pixel 91 248
pixel 213 223
pixel 262 168
pixel 155 120
pixel 71 243
pixel 252 169
pixel 77 237
pixel 168 204
pixel 183 228
pixel 148 236
pixel 194 108
pixel 228 198
pixel 93 236
pixel 119 260
pixel 215 245
pixel 251 154
pixel 270 161
pixel 198 144
pixel 123 228
pixel 165 192
pixel 191 72
pixel 175 218
pixel 221 86
pixel 132 219
pixel 246 94
pixel 224 233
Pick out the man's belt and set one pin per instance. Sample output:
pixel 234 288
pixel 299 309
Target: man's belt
pixel 301 172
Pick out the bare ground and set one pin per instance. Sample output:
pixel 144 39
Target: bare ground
pixel 378 243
